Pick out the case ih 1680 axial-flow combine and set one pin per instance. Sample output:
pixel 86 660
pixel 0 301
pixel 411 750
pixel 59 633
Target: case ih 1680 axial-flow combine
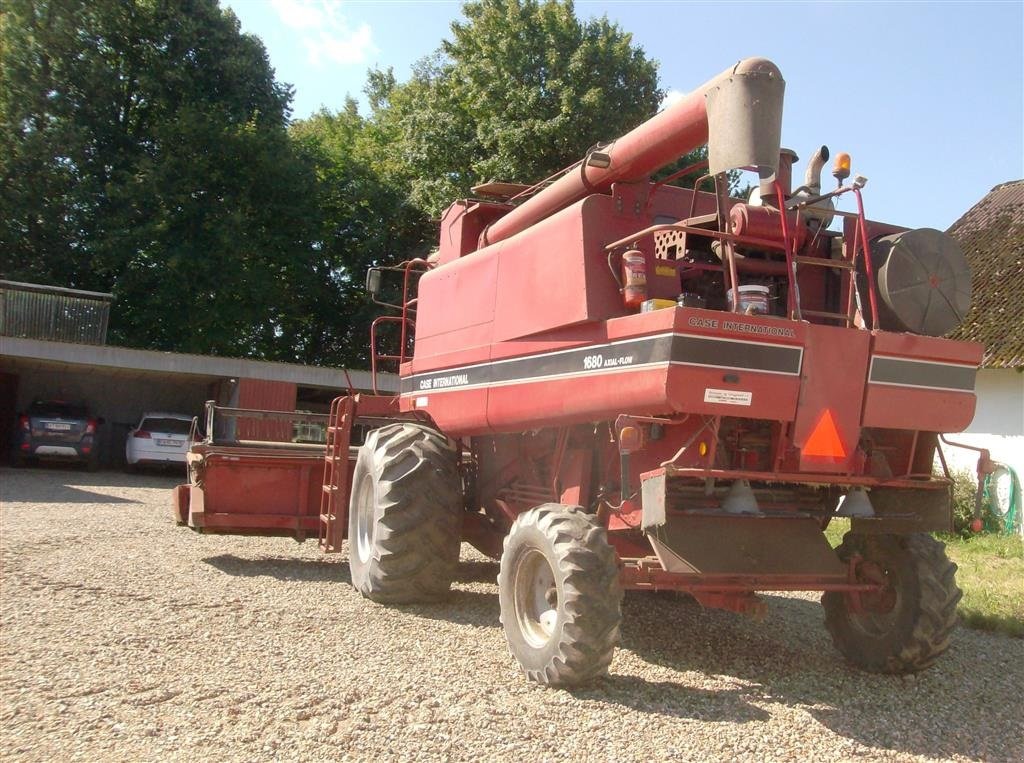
pixel 619 384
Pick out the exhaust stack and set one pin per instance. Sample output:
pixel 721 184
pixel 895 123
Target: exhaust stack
pixel 812 179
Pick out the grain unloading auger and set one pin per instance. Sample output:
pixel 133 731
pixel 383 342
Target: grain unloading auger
pixel 619 384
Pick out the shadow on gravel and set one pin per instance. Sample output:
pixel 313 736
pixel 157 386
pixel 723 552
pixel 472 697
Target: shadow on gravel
pixel 462 607
pixel 672 699
pixel 281 568
pixel 52 485
pixel 790 660
pixel 477 572
pixel 786 660
pixel 60 483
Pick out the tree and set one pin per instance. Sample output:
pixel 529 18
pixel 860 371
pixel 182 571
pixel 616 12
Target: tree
pixel 363 219
pixel 143 150
pixel 521 90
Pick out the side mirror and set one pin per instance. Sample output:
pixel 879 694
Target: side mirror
pixel 373 281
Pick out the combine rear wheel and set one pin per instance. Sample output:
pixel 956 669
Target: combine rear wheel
pixel 907 626
pixel 404 522
pixel 560 597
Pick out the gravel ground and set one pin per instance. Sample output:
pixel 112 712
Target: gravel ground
pixel 125 637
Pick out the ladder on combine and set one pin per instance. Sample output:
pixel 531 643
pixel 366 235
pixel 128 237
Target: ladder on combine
pixel 334 501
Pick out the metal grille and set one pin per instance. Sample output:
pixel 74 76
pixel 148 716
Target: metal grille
pixel 31 311
pixel 668 244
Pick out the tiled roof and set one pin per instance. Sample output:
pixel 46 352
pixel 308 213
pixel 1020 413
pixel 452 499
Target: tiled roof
pixel 992 236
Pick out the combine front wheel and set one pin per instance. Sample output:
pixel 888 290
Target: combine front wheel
pixel 906 626
pixel 560 597
pixel 405 514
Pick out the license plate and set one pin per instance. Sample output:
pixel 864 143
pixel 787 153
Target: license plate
pixel 170 443
pixel 58 427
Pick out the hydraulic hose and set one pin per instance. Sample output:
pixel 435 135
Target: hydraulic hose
pixel 1010 520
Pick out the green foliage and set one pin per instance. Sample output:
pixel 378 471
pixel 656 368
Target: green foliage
pixel 991 574
pixel 144 151
pixel 362 220
pixel 965 488
pixel 521 90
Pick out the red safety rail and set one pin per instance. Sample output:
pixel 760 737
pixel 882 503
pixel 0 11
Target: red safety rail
pixel 404 321
pixel 787 245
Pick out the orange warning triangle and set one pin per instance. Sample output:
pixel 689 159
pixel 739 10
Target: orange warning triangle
pixel 824 440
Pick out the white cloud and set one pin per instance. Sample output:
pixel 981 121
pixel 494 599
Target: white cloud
pixel 672 97
pixel 325 32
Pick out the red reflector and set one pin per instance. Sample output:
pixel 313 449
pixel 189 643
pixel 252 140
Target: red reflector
pixel 143 435
pixel 824 440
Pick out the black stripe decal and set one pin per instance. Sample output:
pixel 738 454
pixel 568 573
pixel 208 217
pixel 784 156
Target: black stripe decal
pixel 609 358
pixel 920 373
pixel 751 356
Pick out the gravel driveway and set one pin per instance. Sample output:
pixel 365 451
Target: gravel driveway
pixel 126 637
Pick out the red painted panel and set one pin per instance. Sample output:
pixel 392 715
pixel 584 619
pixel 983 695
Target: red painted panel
pixel 457 413
pixel 902 407
pixel 557 402
pixel 772 396
pixel 912 346
pixel 265 396
pixel 461 226
pixel 268 485
pixel 926 410
pixel 470 344
pixel 455 297
pixel 542 278
pixel 834 375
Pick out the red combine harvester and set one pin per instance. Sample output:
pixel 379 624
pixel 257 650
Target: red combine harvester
pixel 619 384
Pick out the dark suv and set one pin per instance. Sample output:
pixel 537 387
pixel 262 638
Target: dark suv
pixel 56 429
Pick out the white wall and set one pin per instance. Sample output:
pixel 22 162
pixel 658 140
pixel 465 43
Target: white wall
pixel 998 421
pixel 1000 402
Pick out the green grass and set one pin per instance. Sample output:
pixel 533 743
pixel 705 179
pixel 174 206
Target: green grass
pixel 991 575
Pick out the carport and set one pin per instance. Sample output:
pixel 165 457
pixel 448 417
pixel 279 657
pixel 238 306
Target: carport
pixel 120 384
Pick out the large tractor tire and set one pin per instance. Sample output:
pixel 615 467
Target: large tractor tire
pixel 907 626
pixel 404 526
pixel 561 601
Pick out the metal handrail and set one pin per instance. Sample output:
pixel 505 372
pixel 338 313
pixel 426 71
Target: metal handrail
pixel 405 320
pixel 859 244
pixel 211 410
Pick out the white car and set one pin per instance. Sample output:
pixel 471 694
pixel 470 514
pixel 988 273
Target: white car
pixel 159 439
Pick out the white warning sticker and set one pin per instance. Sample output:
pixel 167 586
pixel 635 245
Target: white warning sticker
pixel 728 396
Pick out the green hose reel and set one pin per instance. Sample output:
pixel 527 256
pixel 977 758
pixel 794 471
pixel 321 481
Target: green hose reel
pixel 1002 497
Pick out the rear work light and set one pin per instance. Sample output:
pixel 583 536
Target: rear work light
pixel 143 435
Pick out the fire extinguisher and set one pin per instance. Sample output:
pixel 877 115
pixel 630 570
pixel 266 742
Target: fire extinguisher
pixel 634 278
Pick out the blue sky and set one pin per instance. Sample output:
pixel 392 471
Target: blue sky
pixel 927 97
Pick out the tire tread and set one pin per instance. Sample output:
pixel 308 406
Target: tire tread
pixel 417 540
pixel 591 594
pixel 931 618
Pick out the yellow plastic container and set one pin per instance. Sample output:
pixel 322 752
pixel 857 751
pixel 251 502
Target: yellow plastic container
pixel 656 304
